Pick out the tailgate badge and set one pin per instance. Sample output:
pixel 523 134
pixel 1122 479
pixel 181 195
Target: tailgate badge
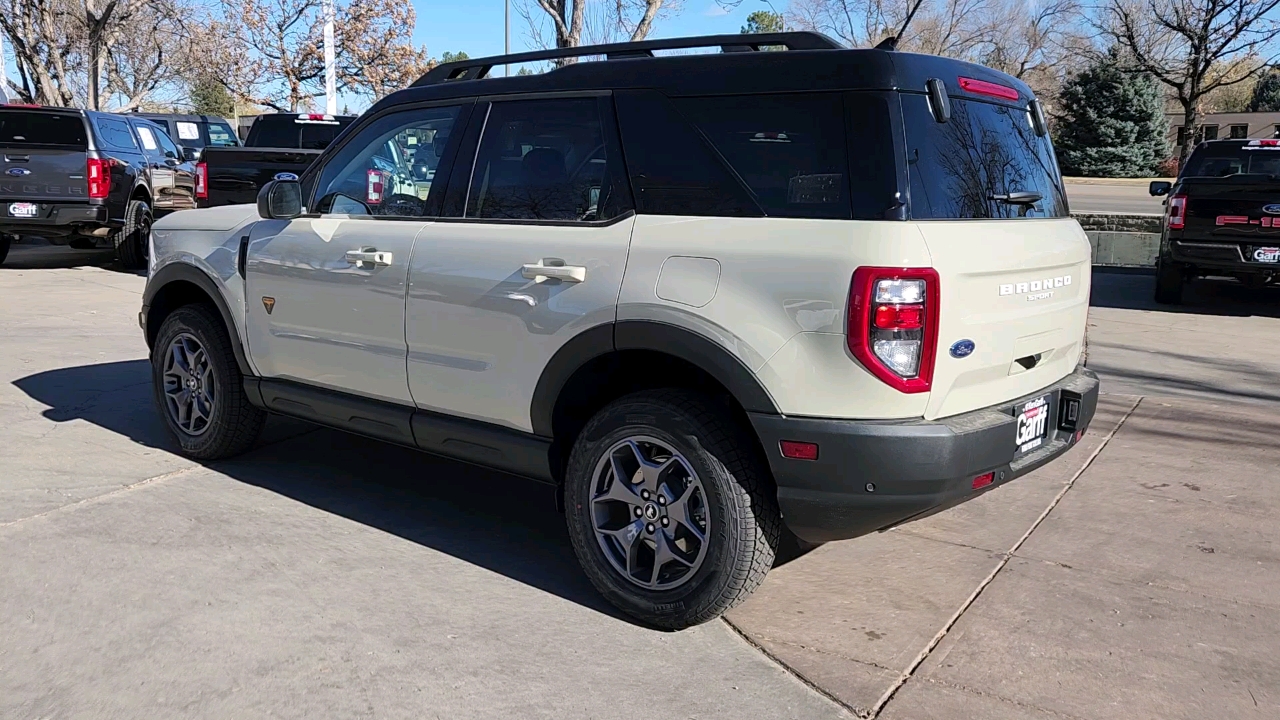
pixel 17 172
pixel 962 348
pixel 1273 209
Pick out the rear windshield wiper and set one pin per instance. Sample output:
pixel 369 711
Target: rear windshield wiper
pixel 1018 198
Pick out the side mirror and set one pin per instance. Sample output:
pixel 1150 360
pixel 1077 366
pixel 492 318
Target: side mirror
pixel 1159 187
pixel 190 154
pixel 280 200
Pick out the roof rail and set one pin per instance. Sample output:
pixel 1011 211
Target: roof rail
pixel 478 69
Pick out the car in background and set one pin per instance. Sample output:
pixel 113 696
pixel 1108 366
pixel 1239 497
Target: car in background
pixel 1222 217
pixel 88 179
pixel 279 146
pixel 195 131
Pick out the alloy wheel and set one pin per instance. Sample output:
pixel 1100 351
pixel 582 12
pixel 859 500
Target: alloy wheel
pixel 190 389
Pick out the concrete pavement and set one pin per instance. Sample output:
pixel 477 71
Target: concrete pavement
pixel 324 575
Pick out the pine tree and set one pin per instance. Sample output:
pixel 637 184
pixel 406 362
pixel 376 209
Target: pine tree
pixel 1112 123
pixel 763 21
pixel 210 97
pixel 1266 94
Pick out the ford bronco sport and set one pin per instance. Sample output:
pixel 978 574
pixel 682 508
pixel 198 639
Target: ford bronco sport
pixel 714 298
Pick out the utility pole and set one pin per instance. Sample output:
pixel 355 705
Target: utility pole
pixel 330 69
pixel 506 34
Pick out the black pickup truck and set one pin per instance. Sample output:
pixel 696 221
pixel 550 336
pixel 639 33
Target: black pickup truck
pixel 1222 217
pixel 86 179
pixel 278 146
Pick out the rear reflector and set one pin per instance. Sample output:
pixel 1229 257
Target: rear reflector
pixel 983 480
pixel 799 450
pixel 982 87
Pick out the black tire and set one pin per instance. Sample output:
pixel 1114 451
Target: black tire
pixel 132 240
pixel 234 423
pixel 740 505
pixel 5 242
pixel 1169 282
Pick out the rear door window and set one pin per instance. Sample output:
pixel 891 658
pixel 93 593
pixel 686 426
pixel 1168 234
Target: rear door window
pixel 115 133
pixel 39 128
pixel 789 149
pixel 972 166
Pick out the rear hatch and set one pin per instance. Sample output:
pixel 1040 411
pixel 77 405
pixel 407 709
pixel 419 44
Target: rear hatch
pixel 42 157
pixel 1232 192
pixel 1013 267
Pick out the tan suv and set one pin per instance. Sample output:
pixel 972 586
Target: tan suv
pixel 714 298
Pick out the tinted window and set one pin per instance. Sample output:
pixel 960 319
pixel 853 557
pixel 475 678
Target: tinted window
pixel 317 137
pixel 1226 159
pixel 963 168
pixel 115 133
pixel 673 171
pixel 36 128
pixel 221 135
pixel 373 174
pixel 541 160
pixel 169 149
pixel 788 149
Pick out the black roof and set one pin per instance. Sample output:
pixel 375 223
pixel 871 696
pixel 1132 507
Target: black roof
pixel 813 62
pixel 178 116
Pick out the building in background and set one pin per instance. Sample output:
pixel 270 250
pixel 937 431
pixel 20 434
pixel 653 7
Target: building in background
pixel 1225 126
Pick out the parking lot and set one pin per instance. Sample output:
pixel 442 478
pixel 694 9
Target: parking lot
pixel 324 575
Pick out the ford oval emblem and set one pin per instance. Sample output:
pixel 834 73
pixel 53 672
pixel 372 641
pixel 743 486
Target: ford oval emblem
pixel 962 348
pixel 291 176
pixel 1273 209
pixel 17 172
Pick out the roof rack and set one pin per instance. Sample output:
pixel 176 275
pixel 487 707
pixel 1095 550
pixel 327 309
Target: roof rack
pixel 478 69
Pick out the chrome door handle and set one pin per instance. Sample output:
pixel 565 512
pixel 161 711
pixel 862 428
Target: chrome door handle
pixel 553 269
pixel 369 256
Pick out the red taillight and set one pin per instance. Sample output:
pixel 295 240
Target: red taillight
pixel 798 450
pixel 982 87
pixel 376 187
pixel 1177 216
pixel 202 181
pixel 893 324
pixel 98 174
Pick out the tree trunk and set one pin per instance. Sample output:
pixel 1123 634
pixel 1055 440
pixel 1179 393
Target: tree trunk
pixel 1190 119
pixel 95 70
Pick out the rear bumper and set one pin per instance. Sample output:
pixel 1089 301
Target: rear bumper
pixel 870 475
pixel 55 219
pixel 1216 254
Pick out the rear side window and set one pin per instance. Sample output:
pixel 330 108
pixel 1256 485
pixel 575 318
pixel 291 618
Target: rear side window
pixel 788 149
pixel 221 135
pixel 115 133
pixel 980 164
pixel 673 171
pixel 36 128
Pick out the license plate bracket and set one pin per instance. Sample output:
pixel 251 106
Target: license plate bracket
pixel 24 210
pixel 1031 423
pixel 1268 254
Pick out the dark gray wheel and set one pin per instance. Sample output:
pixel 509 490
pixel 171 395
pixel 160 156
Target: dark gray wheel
pixel 5 242
pixel 134 238
pixel 670 508
pixel 1169 282
pixel 199 388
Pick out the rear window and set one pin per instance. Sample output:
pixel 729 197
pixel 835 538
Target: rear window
pixel 115 133
pixel 37 128
pixel 285 131
pixel 1229 159
pixel 961 169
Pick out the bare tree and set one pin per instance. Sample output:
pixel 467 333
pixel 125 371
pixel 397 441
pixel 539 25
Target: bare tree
pixel 595 21
pixel 1193 46
pixel 45 37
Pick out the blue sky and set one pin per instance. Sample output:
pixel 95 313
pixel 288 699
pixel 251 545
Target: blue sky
pixel 475 26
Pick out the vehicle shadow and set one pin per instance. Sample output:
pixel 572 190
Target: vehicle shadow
pixel 44 256
pixel 505 524
pixel 1129 290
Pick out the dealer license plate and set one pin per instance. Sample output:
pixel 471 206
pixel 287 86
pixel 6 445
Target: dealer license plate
pixel 1266 254
pixel 1033 423
pixel 24 209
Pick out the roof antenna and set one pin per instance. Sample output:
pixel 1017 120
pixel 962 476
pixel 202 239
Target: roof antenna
pixel 891 42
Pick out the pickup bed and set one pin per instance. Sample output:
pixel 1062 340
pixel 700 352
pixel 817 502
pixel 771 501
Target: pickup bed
pixel 278 147
pixel 1222 217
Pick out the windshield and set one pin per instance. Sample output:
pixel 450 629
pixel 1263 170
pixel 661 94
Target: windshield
pixel 1230 159
pixel 42 128
pixel 986 161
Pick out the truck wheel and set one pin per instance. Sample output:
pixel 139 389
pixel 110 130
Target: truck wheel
pixel 132 240
pixel 199 388
pixel 1169 282
pixel 5 241
pixel 670 508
